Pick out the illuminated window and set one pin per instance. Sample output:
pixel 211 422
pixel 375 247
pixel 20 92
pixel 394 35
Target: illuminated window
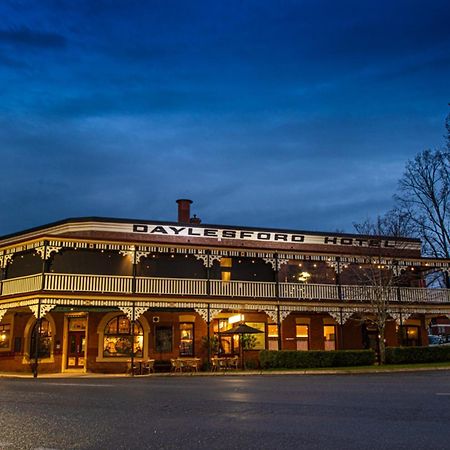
pixel 272 330
pixel 272 334
pixel 45 339
pixel 186 339
pixel 258 340
pixel 329 335
pixel 225 265
pixel 5 335
pixel 302 337
pixel 118 341
pixel 410 336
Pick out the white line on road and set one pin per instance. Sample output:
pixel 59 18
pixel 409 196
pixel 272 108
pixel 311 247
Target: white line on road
pixel 79 384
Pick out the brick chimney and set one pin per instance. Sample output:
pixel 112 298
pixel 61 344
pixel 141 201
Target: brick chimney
pixel 184 210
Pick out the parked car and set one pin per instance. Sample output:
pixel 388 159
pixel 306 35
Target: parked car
pixel 434 339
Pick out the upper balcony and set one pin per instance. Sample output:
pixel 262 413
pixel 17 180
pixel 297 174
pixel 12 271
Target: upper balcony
pixel 178 287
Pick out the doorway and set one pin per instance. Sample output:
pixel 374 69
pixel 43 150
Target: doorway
pixel 76 340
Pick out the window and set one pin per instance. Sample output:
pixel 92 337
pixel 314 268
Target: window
pixel 272 334
pixel 258 340
pixel 5 336
pixel 45 339
pixel 186 339
pixel 163 339
pixel 329 335
pixel 302 337
pixel 118 341
pixel 410 336
pixel 227 344
pixel 225 265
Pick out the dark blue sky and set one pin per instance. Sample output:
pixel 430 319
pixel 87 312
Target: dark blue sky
pixel 290 114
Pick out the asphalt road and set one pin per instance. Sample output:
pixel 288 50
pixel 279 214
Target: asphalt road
pixel 377 411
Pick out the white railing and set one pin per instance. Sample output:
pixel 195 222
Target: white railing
pixel 254 289
pixel 21 285
pixel 88 283
pixel 170 286
pixel 218 288
pixel 368 293
pixel 423 295
pixel 309 291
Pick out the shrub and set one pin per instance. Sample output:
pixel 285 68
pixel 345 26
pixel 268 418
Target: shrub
pixel 410 355
pixel 291 359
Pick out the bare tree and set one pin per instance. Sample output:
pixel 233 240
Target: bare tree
pixel 379 272
pixel 424 198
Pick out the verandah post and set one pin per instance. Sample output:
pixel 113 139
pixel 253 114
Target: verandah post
pixel 277 296
pixel 37 337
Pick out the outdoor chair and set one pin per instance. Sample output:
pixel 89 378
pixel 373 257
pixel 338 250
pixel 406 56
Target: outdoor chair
pixel 149 367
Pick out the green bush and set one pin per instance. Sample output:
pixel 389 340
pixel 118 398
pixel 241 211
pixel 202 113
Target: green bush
pixel 291 359
pixel 410 355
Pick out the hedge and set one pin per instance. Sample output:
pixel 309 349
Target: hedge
pixel 291 359
pixel 406 355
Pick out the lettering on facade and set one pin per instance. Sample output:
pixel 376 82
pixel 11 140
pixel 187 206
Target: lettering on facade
pixel 266 236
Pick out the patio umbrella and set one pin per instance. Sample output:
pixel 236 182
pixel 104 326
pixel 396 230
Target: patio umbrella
pixel 242 329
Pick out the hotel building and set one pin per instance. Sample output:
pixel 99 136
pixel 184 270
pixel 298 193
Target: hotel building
pixel 90 294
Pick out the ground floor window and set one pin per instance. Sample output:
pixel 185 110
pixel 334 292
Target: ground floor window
pixel 5 336
pixel 228 344
pixel 272 335
pixel 163 339
pixel 186 339
pixel 302 337
pixel 255 341
pixel 41 339
pixel 118 341
pixel 329 336
pixel 410 336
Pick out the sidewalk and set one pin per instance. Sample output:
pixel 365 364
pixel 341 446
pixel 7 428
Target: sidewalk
pixel 325 371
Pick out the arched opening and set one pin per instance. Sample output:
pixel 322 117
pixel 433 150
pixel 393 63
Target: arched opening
pixel 120 341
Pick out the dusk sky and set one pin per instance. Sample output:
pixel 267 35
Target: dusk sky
pixel 289 114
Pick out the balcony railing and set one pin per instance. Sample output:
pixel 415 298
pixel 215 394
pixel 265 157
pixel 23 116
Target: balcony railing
pixel 176 286
pixel 309 291
pixel 216 288
pixel 88 283
pixel 22 285
pixel 254 289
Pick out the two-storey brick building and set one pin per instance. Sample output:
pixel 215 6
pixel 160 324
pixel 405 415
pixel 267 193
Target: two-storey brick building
pixel 71 291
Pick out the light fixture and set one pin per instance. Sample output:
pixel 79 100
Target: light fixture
pixel 236 318
pixel 304 277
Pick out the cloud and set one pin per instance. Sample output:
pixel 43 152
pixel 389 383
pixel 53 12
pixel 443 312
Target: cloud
pixel 25 37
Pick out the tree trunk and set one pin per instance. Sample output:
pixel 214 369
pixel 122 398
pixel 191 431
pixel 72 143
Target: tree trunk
pixel 382 344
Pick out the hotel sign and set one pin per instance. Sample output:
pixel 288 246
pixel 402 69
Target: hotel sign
pixel 270 236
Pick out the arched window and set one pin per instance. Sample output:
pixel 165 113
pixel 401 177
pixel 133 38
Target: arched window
pixel 45 340
pixel 117 339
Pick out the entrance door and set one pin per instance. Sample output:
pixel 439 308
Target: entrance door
pixel 76 349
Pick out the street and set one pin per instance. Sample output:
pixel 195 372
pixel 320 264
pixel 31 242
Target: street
pixel 401 410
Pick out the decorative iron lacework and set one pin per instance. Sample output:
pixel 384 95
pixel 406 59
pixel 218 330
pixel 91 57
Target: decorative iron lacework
pixel 47 250
pixel 40 310
pixel 138 311
pixel 341 317
pixel 273 314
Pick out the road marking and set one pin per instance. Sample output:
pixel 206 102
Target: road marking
pixel 79 384
pixel 442 393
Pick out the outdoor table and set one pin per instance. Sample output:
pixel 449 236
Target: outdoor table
pixel 225 362
pixel 185 363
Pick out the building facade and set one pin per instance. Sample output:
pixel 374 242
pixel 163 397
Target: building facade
pixel 91 294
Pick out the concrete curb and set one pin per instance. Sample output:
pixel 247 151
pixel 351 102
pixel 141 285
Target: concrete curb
pixel 226 373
